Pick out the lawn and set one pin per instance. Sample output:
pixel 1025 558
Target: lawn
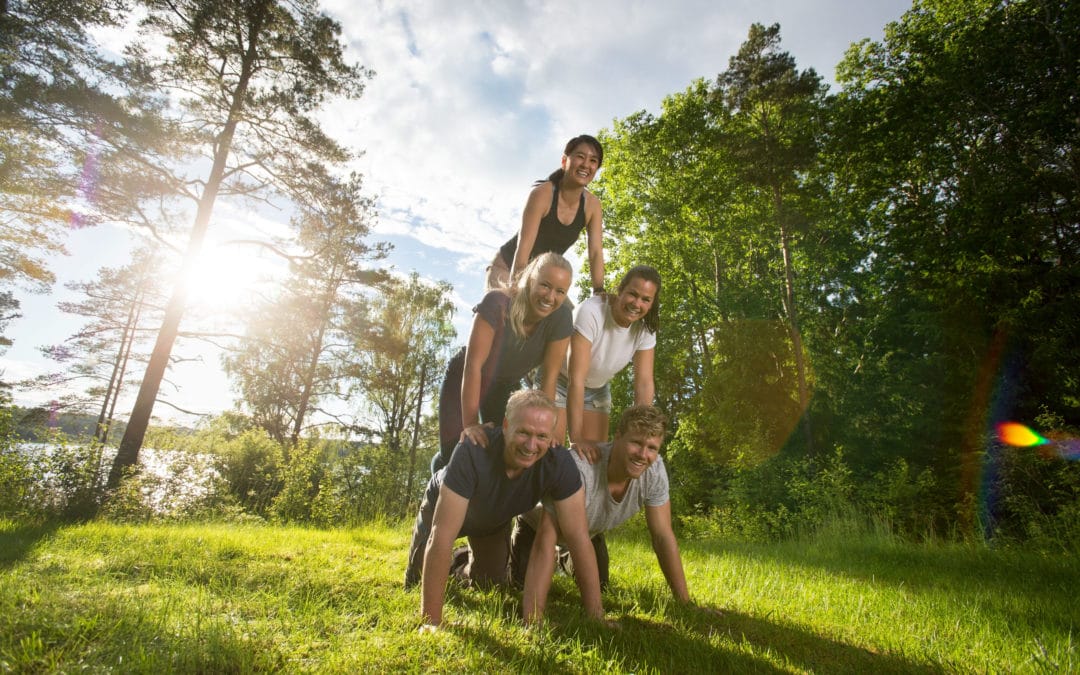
pixel 215 598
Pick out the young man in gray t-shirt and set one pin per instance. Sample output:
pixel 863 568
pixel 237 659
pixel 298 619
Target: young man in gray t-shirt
pixel 629 476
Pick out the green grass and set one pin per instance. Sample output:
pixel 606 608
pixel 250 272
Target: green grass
pixel 215 598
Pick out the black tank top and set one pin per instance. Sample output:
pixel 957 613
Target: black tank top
pixel 551 235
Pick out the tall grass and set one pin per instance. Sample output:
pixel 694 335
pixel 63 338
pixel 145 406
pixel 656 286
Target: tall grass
pixel 246 598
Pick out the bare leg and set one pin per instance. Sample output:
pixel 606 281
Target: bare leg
pixel 594 426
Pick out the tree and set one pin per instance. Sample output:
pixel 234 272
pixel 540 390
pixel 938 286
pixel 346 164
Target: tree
pixel 296 352
pixel 401 350
pixel 121 305
pixel 774 109
pixel 77 126
pixel 247 76
pixel 957 137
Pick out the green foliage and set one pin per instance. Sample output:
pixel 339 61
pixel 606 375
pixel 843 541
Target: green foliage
pixel 76 124
pixel 787 496
pixel 363 483
pixel 302 478
pixel 16 479
pixel 251 465
pixel 1033 496
pixel 53 480
pixel 180 486
pixel 913 235
pixel 248 81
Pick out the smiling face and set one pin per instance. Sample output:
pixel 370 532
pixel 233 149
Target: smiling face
pixel 581 164
pixel 548 291
pixel 528 437
pixel 633 301
pixel 633 452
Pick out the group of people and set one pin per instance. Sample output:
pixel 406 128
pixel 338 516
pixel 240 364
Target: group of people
pixel 505 476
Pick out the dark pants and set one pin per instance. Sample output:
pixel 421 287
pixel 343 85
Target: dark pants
pixel 494 394
pixel 521 544
pixel 488 553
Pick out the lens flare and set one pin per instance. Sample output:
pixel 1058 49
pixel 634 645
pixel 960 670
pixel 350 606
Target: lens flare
pixel 1014 433
pixel 1020 436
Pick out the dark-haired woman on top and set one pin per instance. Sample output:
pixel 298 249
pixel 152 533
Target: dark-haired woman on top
pixel 557 210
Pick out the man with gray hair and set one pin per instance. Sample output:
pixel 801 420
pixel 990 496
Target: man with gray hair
pixel 480 491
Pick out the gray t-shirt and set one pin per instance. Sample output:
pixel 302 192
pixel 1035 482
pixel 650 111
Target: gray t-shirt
pixel 603 512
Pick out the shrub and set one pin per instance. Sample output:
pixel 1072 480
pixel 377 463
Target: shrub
pixel 51 480
pixel 251 465
pixel 301 478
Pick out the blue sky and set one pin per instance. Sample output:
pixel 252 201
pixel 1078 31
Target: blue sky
pixel 471 102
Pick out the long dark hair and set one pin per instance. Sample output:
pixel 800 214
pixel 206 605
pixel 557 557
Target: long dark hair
pixel 557 174
pixel 648 273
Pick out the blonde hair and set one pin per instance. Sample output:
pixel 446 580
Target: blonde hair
pixel 522 286
pixel 527 398
pixel 645 419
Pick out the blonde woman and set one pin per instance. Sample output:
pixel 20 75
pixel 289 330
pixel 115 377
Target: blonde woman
pixel 514 331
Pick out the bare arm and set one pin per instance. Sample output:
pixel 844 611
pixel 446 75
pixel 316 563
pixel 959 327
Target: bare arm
pixel 644 385
pixel 538 204
pixel 445 526
pixel 480 342
pixel 658 519
pixel 554 355
pixel 541 568
pixel 594 224
pixel 574 526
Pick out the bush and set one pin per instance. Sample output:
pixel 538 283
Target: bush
pixel 251 465
pixel 302 476
pixel 785 497
pixel 169 485
pixel 1032 495
pixel 50 480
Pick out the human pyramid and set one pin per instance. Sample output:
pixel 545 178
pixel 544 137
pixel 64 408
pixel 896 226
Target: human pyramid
pixel 503 477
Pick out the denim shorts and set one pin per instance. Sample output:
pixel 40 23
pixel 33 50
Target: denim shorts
pixel 597 399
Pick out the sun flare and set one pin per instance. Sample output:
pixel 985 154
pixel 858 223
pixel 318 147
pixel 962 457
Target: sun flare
pixel 225 276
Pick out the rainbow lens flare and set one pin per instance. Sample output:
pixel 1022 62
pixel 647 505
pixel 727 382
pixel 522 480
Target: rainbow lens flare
pixel 1016 434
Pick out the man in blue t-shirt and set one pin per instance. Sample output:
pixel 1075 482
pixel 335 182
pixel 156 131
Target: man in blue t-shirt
pixel 479 492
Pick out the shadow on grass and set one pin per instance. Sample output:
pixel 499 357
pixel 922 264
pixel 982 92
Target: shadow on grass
pixel 998 577
pixel 17 542
pixel 681 639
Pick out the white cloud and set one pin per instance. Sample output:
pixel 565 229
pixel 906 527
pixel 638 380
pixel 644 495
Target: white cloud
pixel 473 100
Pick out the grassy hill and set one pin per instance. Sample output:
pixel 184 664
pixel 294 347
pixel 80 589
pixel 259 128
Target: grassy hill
pixel 243 598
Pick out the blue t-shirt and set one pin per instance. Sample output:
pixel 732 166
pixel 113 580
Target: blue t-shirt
pixel 479 475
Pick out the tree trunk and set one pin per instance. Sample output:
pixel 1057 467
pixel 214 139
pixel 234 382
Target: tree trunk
pixel 105 424
pixel 101 431
pixel 415 439
pixel 791 309
pixel 128 454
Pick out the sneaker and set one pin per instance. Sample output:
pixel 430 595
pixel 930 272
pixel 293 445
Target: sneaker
pixel 565 564
pixel 460 563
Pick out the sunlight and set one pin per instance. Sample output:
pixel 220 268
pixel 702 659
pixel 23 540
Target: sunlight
pixel 225 275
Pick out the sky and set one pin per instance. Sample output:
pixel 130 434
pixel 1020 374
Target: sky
pixel 471 102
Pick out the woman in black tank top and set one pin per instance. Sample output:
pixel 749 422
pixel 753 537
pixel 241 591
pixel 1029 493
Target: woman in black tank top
pixel 556 212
